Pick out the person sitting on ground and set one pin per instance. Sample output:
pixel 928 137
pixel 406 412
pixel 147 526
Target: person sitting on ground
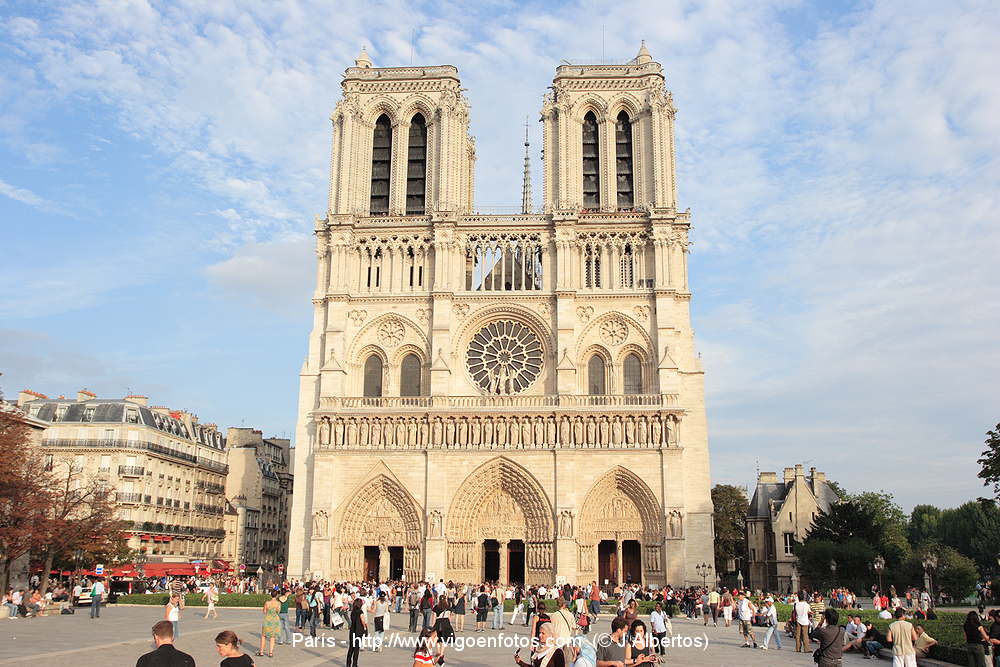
pixel 854 634
pixel 925 642
pixel 874 641
pixel 165 654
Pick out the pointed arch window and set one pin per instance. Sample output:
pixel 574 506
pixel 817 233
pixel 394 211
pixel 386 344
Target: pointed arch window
pixel 632 372
pixel 409 376
pixel 623 161
pixel 373 376
pixel 381 165
pixel 596 376
pixel 416 166
pixel 591 163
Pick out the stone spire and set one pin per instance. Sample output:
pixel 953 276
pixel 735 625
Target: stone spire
pixel 526 187
pixel 363 59
pixel 643 57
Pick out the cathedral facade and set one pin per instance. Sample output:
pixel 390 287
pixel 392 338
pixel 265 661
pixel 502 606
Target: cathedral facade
pixel 502 397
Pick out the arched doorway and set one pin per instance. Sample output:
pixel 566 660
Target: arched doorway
pixel 620 523
pixel 500 527
pixel 381 534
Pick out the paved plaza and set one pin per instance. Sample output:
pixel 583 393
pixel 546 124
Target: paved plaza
pixel 121 635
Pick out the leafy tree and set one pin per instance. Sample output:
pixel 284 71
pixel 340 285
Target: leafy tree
pixel 730 517
pixel 956 575
pixel 990 461
pixel 852 557
pixel 972 529
pixel 924 523
pixel 843 521
pixel 837 489
pixel 890 524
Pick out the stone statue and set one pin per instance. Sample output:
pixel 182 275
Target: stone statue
pixel 412 433
pixel 604 431
pixel 352 431
pixel 642 431
pixel 476 431
pixel 425 432
pixel 389 432
pixel 565 431
pixel 320 520
pixel 463 432
pixel 629 430
pixel 550 429
pixel 364 434
pixel 539 438
pixel 566 524
pixel 435 524
pixel 579 436
pixel 676 523
pixel 515 432
pixel 324 432
pixel 672 431
pixel 488 432
pixel 591 431
pixel 338 432
pixel 449 432
pixel 437 432
pixel 616 431
pixel 527 432
pixel 501 432
pixel 656 430
pixel 400 432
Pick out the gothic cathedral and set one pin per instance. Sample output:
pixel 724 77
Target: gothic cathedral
pixel 502 397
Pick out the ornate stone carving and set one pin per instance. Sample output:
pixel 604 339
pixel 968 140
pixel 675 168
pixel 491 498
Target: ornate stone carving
pixel 585 313
pixel 641 312
pixel 423 315
pixel 357 316
pixel 391 332
pixel 460 310
pixel 320 522
pixel 434 524
pixel 504 357
pixel 675 523
pixel 566 523
pixel 543 309
pixel 614 331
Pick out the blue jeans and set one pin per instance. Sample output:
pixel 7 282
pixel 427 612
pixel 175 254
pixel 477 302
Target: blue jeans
pixel 873 648
pixel 427 617
pixel 12 607
pixel 313 621
pixel 772 630
pixel 498 617
pixel 399 604
pixel 595 607
pixel 95 607
pixel 286 630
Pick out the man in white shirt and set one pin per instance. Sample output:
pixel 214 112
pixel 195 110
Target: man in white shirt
pixel 745 609
pixel 96 598
pixel 854 634
pixel 771 621
pixel 801 611
pixel 659 622
pixel 440 589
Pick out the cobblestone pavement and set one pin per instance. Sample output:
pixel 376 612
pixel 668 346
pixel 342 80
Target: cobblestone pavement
pixel 121 635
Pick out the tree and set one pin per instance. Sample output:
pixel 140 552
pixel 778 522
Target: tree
pixel 972 529
pixel 924 523
pixel 852 557
pixel 890 524
pixel 730 517
pixel 837 489
pixel 956 575
pixel 844 521
pixel 990 461
pixel 25 491
pixel 82 517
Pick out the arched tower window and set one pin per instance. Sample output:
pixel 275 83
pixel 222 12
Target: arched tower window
pixel 591 163
pixel 596 377
pixel 381 165
pixel 409 376
pixel 632 371
pixel 373 376
pixel 416 166
pixel 623 160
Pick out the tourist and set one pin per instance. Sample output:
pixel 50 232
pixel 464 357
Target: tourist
pixel 165 655
pixel 458 609
pixel 924 642
pixel 660 624
pixel 211 597
pixel 771 623
pixel 172 613
pixel 727 606
pixel 538 617
pixel 8 601
pixel 272 626
pixel 357 631
pixel 874 641
pixel 427 607
pixel 482 609
pixel 315 601
pixel 713 605
pixel 976 640
pixel 97 591
pixel 595 599
pixel 228 646
pixel 639 650
pixel 378 608
pixel 854 634
pixel 547 653
pixel 800 610
pixel 902 636
pixel 562 621
pixel 413 606
pixel 286 631
pixel 831 640
pixel 612 653
pixel 496 603
pixel 520 606
pixel 426 650
pixel 745 610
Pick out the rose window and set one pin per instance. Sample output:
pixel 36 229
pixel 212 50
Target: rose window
pixel 614 331
pixel 504 357
pixel 391 332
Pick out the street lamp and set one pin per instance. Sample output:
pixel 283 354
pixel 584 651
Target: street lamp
pixel 879 566
pixel 930 563
pixel 833 570
pixel 704 570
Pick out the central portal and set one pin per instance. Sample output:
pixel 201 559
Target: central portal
pixel 515 562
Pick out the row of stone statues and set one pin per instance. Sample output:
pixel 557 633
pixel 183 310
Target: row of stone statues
pixel 513 431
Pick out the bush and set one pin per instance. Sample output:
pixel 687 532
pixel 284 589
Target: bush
pixel 197 599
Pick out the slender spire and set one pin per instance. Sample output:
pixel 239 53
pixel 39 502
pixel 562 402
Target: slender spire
pixel 526 187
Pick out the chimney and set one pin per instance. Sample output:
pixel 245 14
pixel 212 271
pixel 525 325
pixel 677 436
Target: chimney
pixel 789 475
pixel 799 470
pixel 84 395
pixel 818 480
pixel 27 395
pixel 138 398
pixel 768 478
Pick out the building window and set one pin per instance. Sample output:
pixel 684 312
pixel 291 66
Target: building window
pixel 48 462
pixel 416 166
pixel 591 163
pixel 753 555
pixel 623 160
pixel 596 376
pixel 409 376
pixel 381 165
pixel 632 374
pixel 88 414
pixel 373 376
pixel 789 544
pixel 592 266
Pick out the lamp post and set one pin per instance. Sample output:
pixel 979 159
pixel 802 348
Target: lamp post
pixel 704 570
pixel 879 565
pixel 930 563
pixel 77 555
pixel 833 571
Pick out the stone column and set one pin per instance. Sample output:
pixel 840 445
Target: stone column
pixel 618 562
pixel 383 562
pixel 504 564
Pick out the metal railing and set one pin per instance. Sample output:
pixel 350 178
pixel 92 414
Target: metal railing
pixel 501 402
pixel 131 471
pixel 130 498
pixel 215 466
pixel 136 445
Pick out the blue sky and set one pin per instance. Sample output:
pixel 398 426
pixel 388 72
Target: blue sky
pixel 160 166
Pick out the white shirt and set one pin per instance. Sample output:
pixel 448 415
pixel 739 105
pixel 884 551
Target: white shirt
pixel 98 589
pixel 656 620
pixel 771 613
pixel 744 610
pixel 802 612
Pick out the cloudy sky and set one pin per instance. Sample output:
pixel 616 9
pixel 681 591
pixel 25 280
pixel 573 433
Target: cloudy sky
pixel 161 163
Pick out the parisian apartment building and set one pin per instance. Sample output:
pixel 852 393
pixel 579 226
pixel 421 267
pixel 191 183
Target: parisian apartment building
pixel 191 494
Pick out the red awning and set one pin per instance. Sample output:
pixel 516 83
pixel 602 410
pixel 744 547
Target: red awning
pixel 169 569
pixel 221 566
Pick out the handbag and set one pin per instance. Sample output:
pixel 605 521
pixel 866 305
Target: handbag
pixel 818 654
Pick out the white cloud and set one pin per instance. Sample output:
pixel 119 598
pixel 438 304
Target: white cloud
pixel 22 195
pixel 276 275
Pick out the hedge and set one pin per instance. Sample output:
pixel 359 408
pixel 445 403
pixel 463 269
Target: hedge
pixel 196 599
